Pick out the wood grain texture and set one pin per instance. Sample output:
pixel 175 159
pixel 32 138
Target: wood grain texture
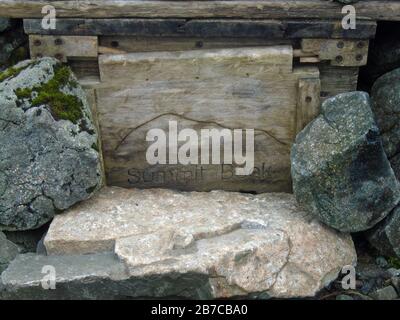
pixel 91 98
pixel 335 80
pixel 206 28
pixel 265 9
pixel 84 69
pixel 308 101
pixel 341 52
pixel 63 47
pixel 149 44
pixel 180 65
pixel 249 88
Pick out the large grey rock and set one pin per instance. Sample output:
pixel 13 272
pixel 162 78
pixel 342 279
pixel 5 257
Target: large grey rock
pixel 77 277
pixel 386 235
pixel 8 251
pixel 222 243
pixel 340 172
pixel 385 98
pixel 49 159
pixel 93 276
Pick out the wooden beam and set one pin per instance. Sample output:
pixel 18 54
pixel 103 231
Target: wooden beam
pixel 269 29
pixel 63 47
pixel 308 101
pixel 336 80
pixel 140 66
pixel 149 44
pixel 344 53
pixel 265 9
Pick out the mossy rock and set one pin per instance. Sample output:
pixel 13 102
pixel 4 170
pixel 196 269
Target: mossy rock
pixel 49 159
pixel 62 106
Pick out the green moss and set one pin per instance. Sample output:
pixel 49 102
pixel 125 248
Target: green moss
pixel 394 262
pixel 10 72
pixel 23 93
pixel 62 106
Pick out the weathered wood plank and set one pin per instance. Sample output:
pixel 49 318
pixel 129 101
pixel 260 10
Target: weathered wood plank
pixel 268 29
pixel 204 89
pixel 344 53
pixel 265 9
pixel 335 80
pixel 195 64
pixel 308 101
pixel 91 98
pixel 148 44
pixel 85 69
pixel 63 47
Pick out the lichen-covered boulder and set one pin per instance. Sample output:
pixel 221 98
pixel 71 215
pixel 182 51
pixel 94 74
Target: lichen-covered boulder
pixel 386 235
pixel 339 168
pixel 385 98
pixel 49 158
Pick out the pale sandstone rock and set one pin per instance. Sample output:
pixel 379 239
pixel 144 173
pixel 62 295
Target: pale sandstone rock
pixel 243 244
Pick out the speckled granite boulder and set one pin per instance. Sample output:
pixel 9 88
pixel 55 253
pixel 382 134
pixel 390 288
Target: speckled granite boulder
pixel 164 243
pixel 386 235
pixel 385 98
pixel 340 171
pixel 49 159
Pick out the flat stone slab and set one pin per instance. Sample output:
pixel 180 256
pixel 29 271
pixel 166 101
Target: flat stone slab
pixel 77 277
pixel 236 244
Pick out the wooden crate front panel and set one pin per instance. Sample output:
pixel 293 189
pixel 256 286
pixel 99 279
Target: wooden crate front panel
pixel 244 88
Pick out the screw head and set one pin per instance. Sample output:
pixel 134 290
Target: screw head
pixel 340 44
pixel 359 57
pixel 339 59
pixel 308 99
pixel 199 44
pixel 58 56
pixel 58 41
pixel 37 42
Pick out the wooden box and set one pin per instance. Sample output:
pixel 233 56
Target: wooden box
pixel 267 75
